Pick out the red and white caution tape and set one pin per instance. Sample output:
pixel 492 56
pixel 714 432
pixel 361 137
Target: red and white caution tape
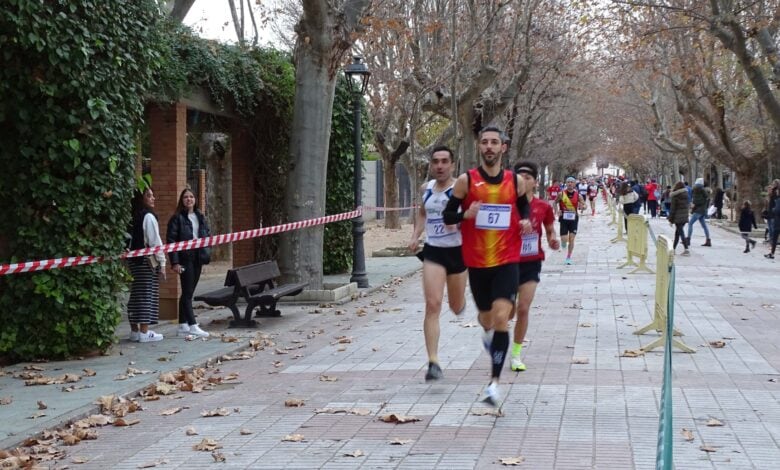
pixel 30 266
pixel 388 209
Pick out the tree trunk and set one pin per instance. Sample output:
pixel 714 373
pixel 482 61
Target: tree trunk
pixel 748 183
pixel 390 179
pixel 301 250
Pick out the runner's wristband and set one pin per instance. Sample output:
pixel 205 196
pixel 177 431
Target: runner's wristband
pixel 450 214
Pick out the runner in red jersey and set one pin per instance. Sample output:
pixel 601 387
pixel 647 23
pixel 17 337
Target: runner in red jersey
pixel 552 195
pixel 531 257
pixel 493 202
pixel 569 199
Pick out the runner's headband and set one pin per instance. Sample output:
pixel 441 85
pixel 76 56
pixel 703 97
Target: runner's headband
pixel 526 169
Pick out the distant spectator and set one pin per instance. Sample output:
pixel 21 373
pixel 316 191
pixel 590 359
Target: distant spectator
pixel 773 213
pixel 699 202
pixel 678 214
pixel 747 222
pixel 651 189
pixel 666 201
pixel 717 201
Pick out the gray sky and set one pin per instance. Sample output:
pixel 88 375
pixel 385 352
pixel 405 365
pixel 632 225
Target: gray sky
pixel 211 20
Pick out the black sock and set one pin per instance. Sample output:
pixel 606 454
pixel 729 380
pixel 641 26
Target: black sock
pixel 498 349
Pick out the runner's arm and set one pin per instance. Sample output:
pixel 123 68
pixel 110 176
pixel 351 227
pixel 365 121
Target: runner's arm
pixel 419 224
pixel 451 215
pixel 522 203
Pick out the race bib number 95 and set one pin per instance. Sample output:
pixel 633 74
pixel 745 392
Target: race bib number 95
pixel 494 216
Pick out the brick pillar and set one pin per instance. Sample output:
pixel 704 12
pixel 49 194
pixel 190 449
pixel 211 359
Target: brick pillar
pixel 242 194
pixel 202 190
pixel 168 135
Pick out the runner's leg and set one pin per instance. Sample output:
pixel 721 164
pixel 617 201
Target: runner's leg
pixel 434 278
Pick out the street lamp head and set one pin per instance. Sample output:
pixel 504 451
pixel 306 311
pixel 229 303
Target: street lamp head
pixel 357 75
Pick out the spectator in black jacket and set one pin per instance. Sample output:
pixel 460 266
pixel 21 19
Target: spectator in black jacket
pixel 747 222
pixel 188 223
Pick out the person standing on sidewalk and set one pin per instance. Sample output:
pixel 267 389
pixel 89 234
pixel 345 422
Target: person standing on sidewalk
pixel 493 202
pixel 651 188
pixel 699 203
pixel 531 258
pixel 747 222
pixel 773 214
pixel 143 307
pixel 188 223
pixel 678 214
pixel 568 201
pixel 441 254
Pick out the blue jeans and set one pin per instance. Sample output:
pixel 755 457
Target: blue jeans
pixel 701 218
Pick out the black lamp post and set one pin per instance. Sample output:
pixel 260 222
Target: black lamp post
pixel 357 79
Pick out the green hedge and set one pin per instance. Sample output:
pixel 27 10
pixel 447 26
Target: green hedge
pixel 73 83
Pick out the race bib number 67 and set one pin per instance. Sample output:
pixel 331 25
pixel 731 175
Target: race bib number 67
pixel 494 216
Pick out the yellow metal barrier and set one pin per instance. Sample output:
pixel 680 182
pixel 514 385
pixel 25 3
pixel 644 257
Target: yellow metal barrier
pixel 611 207
pixel 637 244
pixel 619 237
pixel 664 263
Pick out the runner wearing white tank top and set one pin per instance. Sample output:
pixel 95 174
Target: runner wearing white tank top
pixel 441 254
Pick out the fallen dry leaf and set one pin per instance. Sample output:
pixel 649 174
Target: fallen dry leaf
pixel 498 413
pixel 170 411
pixel 167 378
pixel 89 372
pixel 511 460
pixel 69 439
pixel 245 432
pixel 399 442
pixel 687 434
pixel 586 325
pixel 343 339
pixel 293 438
pixel 632 353
pixel 42 405
pixel 354 453
pixel 399 419
pixel 706 448
pixel 153 464
pixel 37 415
pixel 349 411
pixel 207 445
pixel 294 403
pixel 712 422
pixel 718 344
pixel 328 378
pixel 280 351
pixel 79 459
pixel 165 389
pixel 218 456
pixel 6 400
pixel 580 360
pixel 190 431
pixel 229 339
pixel 215 412
pixel 34 367
pixel 120 422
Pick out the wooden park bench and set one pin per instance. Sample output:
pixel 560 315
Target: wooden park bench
pixel 255 283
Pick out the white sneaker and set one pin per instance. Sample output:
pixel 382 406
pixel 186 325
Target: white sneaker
pixel 195 330
pixel 184 329
pixel 135 336
pixel 492 395
pixel 149 337
pixel 685 253
pixel 516 363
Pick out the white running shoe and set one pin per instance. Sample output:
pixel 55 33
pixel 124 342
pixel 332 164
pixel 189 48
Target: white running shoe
pixel 150 337
pixel 516 363
pixel 184 329
pixel 492 395
pixel 195 330
pixel 135 336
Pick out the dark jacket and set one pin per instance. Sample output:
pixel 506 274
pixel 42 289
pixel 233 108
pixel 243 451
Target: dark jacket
pixel 717 200
pixel 699 199
pixel 180 230
pixel 747 221
pixel 678 210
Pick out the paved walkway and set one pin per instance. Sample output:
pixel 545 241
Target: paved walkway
pixel 558 414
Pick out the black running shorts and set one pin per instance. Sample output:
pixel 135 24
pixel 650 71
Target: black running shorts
pixel 529 272
pixel 569 226
pixel 489 284
pixel 449 257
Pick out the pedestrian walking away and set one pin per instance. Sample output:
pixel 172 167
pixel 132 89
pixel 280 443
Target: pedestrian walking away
pixel 678 215
pixel 651 188
pixel 441 254
pixel 188 223
pixel 747 222
pixel 568 201
pixel 493 202
pixel 531 258
pixel 699 203
pixel 143 306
